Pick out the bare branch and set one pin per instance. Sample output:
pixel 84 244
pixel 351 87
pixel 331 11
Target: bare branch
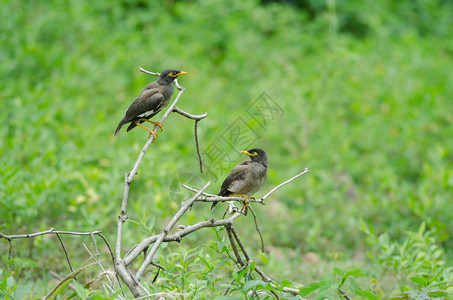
pixel 50 231
pixel 232 281
pixel 195 130
pixel 238 240
pixel 343 294
pixel 233 245
pixel 96 259
pixel 195 190
pixel 196 118
pixel 190 116
pixel 9 248
pixel 282 184
pixel 214 198
pixel 120 266
pixel 177 237
pixel 67 255
pixel 184 207
pixel 257 228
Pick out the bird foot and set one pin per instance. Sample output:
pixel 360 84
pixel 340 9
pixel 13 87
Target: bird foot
pixel 154 123
pixel 152 133
pixel 245 207
pixel 159 124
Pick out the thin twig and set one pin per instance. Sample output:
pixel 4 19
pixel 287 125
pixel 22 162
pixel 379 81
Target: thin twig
pixel 137 289
pixel 188 115
pixel 113 261
pixel 58 233
pixel 233 245
pixel 282 184
pixel 195 190
pixel 50 231
pixel 95 246
pixel 198 147
pixel 343 294
pixel 184 206
pixel 257 228
pixel 177 237
pixel 196 118
pixel 215 198
pixel 241 245
pixel 99 264
pixel 10 248
pixel 66 254
pixel 232 281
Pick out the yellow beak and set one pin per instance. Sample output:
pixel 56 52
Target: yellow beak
pixel 249 154
pixel 181 73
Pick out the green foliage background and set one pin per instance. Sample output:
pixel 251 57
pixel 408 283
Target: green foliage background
pixel 367 97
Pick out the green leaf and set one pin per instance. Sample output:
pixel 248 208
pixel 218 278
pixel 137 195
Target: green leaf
pixel 286 283
pixel 66 281
pixel 354 273
pixel 309 289
pixel 353 286
pixel 254 283
pixel 22 290
pixel 221 245
pixel 439 284
pixel 339 271
pixel 422 228
pixel 367 294
pixel 439 293
pixel 252 266
pixel 419 280
pixel 10 281
pixel 80 290
pixel 239 275
pixel 151 223
pixel 436 275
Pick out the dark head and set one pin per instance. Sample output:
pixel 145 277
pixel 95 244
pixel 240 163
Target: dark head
pixel 168 76
pixel 258 155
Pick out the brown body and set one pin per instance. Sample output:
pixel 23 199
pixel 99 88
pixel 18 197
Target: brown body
pixel 247 177
pixel 154 97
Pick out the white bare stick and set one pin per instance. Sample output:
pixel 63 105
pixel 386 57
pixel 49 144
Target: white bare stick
pixel 184 207
pixel 282 184
pixel 177 237
pixel 50 231
pixel 189 116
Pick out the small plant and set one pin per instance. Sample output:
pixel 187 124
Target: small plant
pixel 335 283
pixel 417 263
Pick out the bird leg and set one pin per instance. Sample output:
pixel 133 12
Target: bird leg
pixel 155 123
pixel 246 202
pixel 147 129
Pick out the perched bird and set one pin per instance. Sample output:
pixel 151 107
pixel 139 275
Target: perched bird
pixel 151 101
pixel 246 178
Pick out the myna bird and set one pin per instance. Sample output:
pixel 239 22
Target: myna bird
pixel 246 178
pixel 151 101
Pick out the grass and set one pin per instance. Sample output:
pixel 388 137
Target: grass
pixel 367 111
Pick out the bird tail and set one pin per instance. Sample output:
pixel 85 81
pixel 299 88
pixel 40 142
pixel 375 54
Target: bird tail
pixel 118 129
pixel 215 203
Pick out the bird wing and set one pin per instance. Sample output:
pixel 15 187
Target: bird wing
pixel 148 102
pixel 147 105
pixel 237 174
